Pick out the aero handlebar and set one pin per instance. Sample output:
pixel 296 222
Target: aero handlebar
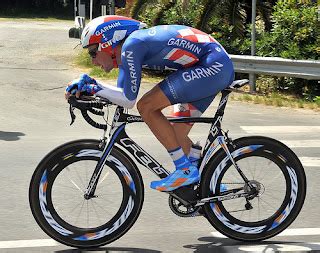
pixel 91 106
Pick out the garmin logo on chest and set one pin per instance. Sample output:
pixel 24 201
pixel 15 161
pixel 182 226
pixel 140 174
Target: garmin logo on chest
pixel 198 73
pixel 132 70
pixel 185 44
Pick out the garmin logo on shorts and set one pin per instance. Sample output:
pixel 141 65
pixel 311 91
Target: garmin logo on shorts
pixel 107 28
pixel 198 73
pixel 132 70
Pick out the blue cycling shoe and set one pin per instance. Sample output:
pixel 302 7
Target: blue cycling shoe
pixel 180 177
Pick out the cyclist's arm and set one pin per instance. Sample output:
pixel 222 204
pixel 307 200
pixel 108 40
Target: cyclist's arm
pixel 125 94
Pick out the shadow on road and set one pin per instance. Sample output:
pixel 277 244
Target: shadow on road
pixel 10 136
pixel 225 245
pixel 110 249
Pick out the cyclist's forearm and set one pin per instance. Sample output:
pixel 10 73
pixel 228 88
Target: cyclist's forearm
pixel 115 95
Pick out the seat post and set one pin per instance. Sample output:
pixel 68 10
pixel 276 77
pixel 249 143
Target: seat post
pixel 223 102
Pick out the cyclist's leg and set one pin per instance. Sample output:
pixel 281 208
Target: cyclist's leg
pixel 194 109
pixel 199 84
pixel 191 84
pixel 182 129
pixel 149 107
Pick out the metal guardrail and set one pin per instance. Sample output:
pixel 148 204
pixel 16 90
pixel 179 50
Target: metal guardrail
pixel 306 69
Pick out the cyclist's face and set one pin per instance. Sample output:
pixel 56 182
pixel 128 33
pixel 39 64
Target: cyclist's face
pixel 100 58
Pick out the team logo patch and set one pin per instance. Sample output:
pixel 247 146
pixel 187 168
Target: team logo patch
pixel 182 57
pixel 195 35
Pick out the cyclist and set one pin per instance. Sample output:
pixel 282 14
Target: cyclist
pixel 201 67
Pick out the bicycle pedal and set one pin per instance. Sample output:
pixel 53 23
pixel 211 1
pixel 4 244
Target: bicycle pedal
pixel 187 193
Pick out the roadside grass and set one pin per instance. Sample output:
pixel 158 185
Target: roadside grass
pixel 83 60
pixel 278 100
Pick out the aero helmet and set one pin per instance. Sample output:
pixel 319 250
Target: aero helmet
pixel 108 31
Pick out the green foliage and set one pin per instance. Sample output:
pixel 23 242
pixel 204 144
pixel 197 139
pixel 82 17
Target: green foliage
pixel 138 7
pixel 294 35
pixel 295 32
pixel 176 15
pixel 171 12
pixel 317 100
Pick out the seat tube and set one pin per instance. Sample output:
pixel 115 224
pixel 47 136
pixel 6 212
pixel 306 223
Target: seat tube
pixel 216 125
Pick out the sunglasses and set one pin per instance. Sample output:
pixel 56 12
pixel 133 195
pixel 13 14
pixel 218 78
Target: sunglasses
pixel 93 52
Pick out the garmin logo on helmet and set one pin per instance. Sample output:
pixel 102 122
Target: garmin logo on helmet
pixel 107 28
pixel 117 36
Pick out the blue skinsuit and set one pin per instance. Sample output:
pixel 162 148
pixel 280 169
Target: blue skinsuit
pixel 203 68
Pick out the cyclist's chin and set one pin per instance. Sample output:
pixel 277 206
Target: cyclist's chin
pixel 107 68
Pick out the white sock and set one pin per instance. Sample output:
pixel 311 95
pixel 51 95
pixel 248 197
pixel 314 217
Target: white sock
pixel 194 154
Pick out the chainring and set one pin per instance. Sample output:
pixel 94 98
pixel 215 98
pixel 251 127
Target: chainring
pixel 181 210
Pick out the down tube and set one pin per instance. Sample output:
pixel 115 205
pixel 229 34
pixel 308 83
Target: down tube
pixel 141 155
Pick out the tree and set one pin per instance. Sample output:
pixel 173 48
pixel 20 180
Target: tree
pixel 236 13
pixel 138 7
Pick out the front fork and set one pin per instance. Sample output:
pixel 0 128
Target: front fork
pixel 106 144
pixel 91 188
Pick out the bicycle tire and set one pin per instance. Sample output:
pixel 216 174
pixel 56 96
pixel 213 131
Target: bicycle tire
pixel 262 148
pixel 71 154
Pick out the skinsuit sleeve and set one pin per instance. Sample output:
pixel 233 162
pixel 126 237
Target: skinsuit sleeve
pixel 129 79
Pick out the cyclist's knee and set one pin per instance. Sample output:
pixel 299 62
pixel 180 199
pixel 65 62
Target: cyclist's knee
pixel 150 103
pixel 145 106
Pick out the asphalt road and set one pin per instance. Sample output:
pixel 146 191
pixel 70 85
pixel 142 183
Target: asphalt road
pixel 35 64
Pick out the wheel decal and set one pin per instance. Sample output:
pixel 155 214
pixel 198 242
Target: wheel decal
pixel 213 183
pixel 99 234
pixel 114 227
pixel 293 198
pixel 258 229
pixel 43 205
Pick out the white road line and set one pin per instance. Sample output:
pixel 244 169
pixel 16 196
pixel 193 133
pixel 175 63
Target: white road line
pixel 28 243
pixel 288 247
pixel 310 161
pixel 302 143
pixel 280 129
pixel 287 232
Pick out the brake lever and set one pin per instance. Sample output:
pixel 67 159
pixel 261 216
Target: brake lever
pixel 72 115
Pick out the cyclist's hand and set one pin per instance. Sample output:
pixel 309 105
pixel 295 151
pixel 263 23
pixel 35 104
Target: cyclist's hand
pixel 90 89
pixel 77 86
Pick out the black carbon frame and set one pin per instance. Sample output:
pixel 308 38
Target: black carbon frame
pixel 118 135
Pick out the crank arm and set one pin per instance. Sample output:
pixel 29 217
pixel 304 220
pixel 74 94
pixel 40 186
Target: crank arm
pixel 222 198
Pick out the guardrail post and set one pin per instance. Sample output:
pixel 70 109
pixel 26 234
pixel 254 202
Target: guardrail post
pixel 112 7
pixel 252 76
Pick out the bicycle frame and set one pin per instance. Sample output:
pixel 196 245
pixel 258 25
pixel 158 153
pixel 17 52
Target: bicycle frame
pixel 118 136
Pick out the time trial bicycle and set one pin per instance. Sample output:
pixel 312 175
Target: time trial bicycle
pixel 88 193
